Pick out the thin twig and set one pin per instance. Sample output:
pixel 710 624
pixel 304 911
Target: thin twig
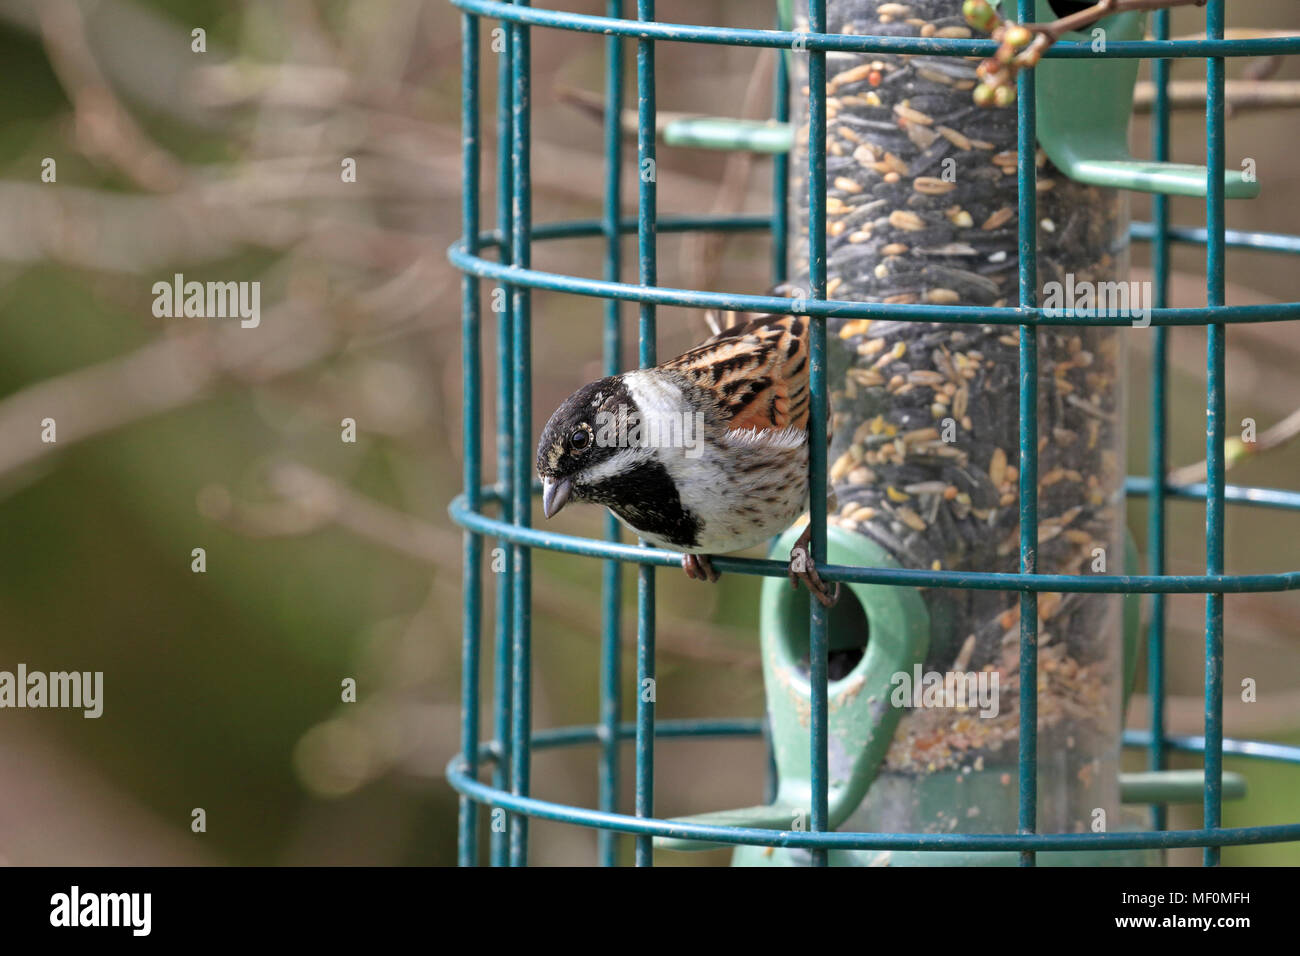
pixel 168 373
pixel 1075 22
pixel 105 130
pixel 1239 95
pixel 311 500
pixel 1022 45
pixel 1238 450
pixel 702 253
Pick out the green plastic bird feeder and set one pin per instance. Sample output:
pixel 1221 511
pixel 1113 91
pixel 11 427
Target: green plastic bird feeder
pixel 917 213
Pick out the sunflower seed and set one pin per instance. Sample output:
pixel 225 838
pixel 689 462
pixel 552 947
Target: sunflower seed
pixel 906 220
pixel 930 186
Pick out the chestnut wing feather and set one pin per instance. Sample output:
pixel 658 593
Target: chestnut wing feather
pixel 757 369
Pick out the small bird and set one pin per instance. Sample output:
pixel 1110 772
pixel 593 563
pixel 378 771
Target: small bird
pixel 705 454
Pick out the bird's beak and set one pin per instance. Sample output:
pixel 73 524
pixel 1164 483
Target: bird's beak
pixel 554 495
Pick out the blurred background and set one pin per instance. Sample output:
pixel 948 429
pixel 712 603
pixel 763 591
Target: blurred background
pixel 328 560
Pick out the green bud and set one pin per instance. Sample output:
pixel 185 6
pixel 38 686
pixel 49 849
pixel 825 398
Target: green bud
pixel 1017 35
pixel 979 14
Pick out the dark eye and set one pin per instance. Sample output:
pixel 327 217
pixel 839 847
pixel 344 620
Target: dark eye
pixel 580 438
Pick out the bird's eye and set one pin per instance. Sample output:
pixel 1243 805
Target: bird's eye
pixel 580 438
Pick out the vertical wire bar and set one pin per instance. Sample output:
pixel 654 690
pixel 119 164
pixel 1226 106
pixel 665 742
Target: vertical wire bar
pixel 780 271
pixel 781 168
pixel 520 240
pixel 1156 752
pixel 1214 411
pixel 472 385
pixel 817 420
pixel 771 778
pixel 1026 184
pixel 611 670
pixel 647 267
pixel 500 846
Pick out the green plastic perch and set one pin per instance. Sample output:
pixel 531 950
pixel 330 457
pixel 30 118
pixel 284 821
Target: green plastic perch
pixel 1084 106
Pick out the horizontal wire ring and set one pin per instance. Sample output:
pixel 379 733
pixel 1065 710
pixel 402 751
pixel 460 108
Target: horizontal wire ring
pixel 847 43
pixel 847 840
pixel 485 268
pixel 479 523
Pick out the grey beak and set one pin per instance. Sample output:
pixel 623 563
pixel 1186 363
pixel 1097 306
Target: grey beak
pixel 555 494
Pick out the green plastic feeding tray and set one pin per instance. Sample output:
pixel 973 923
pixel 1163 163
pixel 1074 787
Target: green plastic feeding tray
pixel 1083 110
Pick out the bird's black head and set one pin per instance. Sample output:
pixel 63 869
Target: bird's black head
pixel 580 435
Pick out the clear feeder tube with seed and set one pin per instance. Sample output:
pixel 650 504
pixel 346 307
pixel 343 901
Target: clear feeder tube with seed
pixel 922 208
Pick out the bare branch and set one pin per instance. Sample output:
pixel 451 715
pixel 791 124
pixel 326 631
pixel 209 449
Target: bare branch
pixel 166 374
pixel 1022 45
pixel 105 130
pixel 702 253
pixel 1239 95
pixel 312 501
pixel 1237 450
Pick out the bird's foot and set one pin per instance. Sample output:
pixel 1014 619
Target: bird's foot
pixel 699 568
pixel 803 569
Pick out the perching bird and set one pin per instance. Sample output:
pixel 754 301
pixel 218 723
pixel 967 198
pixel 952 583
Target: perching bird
pixel 704 454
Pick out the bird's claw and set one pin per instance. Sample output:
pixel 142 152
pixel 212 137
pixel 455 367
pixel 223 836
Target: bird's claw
pixel 803 569
pixel 698 567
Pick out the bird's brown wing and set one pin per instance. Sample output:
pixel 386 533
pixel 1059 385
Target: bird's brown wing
pixel 757 369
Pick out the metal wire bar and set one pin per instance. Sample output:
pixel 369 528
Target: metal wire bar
pixel 1259 497
pixel 553 737
pixel 780 173
pixel 1187 743
pixel 843 43
pixel 818 417
pixel 647 215
pixel 559 737
pixel 1140 231
pixel 1233 238
pixel 780 270
pixel 1026 185
pixel 1159 463
pixel 611 617
pixel 499 852
pixel 472 586
pixel 1156 839
pixel 844 309
pixel 521 253
pixel 975 580
pixel 1214 454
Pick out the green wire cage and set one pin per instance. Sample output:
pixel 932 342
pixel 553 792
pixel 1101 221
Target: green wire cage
pixel 492 772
